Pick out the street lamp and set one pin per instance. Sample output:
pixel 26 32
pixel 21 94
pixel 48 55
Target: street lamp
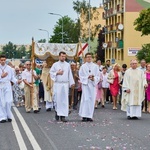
pixel 47 33
pixel 89 25
pixel 61 25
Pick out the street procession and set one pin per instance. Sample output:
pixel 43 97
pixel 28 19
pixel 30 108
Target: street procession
pixel 86 86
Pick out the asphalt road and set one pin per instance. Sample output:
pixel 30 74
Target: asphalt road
pixel 110 131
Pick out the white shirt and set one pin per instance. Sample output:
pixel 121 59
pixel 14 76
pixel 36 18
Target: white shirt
pixel 142 69
pixel 105 84
pixel 27 75
pixel 100 68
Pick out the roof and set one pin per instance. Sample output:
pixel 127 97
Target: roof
pixel 137 5
pixel 144 3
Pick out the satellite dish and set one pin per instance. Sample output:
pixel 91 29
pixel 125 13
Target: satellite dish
pixel 120 26
pixel 104 45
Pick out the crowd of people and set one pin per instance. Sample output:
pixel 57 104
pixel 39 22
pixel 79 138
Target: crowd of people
pixel 66 86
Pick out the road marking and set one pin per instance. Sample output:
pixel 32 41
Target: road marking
pixel 49 139
pixel 28 132
pixel 19 137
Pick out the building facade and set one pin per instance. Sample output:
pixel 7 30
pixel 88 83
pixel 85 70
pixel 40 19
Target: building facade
pixel 122 42
pixel 96 23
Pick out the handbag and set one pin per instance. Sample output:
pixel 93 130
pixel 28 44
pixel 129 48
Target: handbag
pixel 21 85
pixel 110 80
pixel 100 85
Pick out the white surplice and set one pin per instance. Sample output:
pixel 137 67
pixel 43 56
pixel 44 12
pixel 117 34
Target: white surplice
pixel 135 80
pixel 6 97
pixel 61 87
pixel 88 88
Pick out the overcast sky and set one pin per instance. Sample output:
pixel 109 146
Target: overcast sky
pixel 21 19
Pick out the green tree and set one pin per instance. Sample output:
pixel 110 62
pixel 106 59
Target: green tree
pixel 144 53
pixel 42 41
pixel 142 23
pixel 28 53
pixel 82 10
pixel 10 50
pixel 70 31
pixel 21 51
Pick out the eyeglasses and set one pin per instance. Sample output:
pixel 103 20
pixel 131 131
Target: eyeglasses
pixel 28 64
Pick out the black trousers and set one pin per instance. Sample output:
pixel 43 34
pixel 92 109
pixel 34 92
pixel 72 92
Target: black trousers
pixel 144 103
pixel 75 100
pixel 108 94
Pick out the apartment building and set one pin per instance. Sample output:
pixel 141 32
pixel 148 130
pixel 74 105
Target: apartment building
pixel 122 42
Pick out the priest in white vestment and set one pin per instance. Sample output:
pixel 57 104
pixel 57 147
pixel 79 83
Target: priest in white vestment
pixel 6 98
pixel 61 74
pixel 133 88
pixel 89 77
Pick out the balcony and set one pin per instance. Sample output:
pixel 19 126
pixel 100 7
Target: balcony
pixel 114 45
pixel 106 1
pixel 120 44
pixel 109 44
pixel 109 13
pixel 120 8
pixel 114 27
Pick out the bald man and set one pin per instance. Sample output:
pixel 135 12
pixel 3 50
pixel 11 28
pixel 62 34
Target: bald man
pixel 133 91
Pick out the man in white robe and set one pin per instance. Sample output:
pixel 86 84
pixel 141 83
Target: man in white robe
pixel 6 98
pixel 89 77
pixel 61 74
pixel 133 88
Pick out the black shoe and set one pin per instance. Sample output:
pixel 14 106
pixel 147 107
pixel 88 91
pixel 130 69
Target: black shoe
pixel 89 119
pixel 129 117
pixel 95 107
pixel 49 109
pixel 9 120
pixel 36 111
pixel 134 118
pixel 2 121
pixel 103 106
pixel 56 116
pixel 63 119
pixel 84 119
pixel 75 108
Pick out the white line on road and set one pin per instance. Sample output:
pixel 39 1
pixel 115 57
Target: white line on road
pixel 19 137
pixel 28 132
pixel 48 138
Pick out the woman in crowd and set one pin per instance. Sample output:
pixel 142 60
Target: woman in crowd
pixel 115 78
pixel 105 84
pixel 99 93
pixel 18 89
pixel 148 88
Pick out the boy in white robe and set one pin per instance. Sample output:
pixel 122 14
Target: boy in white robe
pixel 6 98
pixel 89 77
pixel 133 91
pixel 61 74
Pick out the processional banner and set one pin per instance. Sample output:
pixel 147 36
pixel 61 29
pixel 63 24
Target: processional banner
pixel 44 50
